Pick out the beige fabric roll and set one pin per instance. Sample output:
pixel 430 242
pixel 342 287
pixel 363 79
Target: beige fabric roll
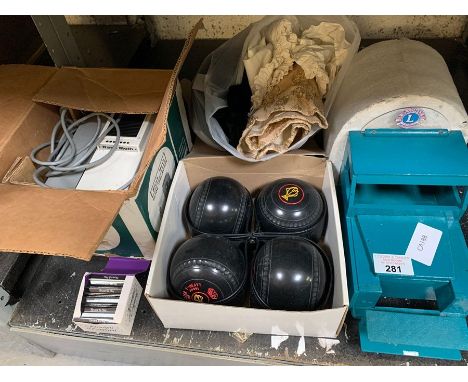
pixel 290 74
pixel 290 110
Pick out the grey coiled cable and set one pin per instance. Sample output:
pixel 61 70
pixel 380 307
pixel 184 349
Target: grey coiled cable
pixel 57 164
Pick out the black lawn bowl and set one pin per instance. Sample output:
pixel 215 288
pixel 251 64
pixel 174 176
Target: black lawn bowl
pixel 291 273
pixel 220 205
pixel 209 269
pixel 291 206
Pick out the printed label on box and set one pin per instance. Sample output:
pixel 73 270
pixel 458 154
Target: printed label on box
pixel 423 244
pixel 393 264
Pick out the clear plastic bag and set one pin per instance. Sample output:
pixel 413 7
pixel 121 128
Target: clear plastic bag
pixel 224 67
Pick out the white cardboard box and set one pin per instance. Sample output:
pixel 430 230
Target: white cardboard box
pixel 124 314
pixel 190 315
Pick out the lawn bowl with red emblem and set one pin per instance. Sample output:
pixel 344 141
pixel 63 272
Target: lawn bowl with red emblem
pixel 291 206
pixel 209 269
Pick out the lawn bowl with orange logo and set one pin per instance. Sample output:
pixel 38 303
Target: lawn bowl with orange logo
pixel 291 206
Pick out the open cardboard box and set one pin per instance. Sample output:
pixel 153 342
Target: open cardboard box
pixel 190 315
pixel 71 222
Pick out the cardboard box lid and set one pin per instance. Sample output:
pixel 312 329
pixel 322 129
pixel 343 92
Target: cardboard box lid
pixel 55 222
pixel 131 91
pixel 18 84
pixel 161 118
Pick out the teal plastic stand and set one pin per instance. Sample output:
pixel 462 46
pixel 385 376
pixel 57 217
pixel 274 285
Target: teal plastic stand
pixel 392 180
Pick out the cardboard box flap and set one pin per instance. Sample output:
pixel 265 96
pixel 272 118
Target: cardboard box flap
pixel 131 91
pixel 227 164
pixel 256 175
pixel 23 80
pixel 18 84
pixel 55 222
pixel 154 143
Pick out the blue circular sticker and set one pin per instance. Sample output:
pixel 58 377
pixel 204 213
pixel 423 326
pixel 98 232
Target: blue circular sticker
pixel 410 117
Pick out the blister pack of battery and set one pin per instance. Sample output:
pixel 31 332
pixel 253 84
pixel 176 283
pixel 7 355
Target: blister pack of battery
pixel 108 300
